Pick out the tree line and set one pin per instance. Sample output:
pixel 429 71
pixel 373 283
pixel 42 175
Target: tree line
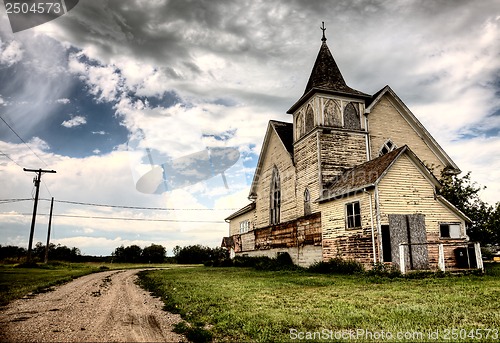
pixel 155 253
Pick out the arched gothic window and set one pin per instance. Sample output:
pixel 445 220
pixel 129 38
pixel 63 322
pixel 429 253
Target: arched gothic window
pixel 307 202
pixel 309 119
pixel 351 117
pixel 387 147
pixel 275 198
pixel 332 113
pixel 299 125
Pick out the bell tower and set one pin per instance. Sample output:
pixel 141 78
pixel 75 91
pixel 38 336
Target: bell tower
pixel 330 134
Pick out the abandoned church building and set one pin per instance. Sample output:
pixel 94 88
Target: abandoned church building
pixel 353 176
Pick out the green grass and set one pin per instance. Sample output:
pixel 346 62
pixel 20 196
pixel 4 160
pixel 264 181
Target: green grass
pixel 241 304
pixel 16 282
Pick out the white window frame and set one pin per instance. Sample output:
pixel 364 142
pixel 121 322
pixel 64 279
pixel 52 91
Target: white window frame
pixel 354 215
pixel 244 226
pixel 456 233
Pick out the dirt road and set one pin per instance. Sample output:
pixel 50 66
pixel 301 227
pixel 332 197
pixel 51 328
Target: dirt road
pixel 100 307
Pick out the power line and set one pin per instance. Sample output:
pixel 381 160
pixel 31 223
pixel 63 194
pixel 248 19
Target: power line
pixel 23 141
pixel 118 218
pixel 8 201
pixel 122 206
pixel 9 157
pixel 140 207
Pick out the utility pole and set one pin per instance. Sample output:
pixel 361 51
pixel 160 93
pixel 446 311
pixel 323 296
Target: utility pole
pixel 36 181
pixel 48 231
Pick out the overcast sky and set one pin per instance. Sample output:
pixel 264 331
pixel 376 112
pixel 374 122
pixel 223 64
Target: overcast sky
pixel 92 92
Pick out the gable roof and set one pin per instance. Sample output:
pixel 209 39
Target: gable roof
pixel 241 211
pixel 419 129
pixel 326 78
pixel 368 174
pixel 284 131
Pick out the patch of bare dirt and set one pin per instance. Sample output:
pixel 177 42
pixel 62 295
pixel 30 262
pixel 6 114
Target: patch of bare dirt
pixel 101 307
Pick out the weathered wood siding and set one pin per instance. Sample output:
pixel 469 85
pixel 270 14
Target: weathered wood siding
pixel 307 171
pixel 338 240
pixel 275 155
pixel 234 224
pixel 340 150
pixel 385 122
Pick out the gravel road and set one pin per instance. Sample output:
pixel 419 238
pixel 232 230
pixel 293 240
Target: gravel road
pixel 100 307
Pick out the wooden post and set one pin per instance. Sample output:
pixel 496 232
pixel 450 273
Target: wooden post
pixel 479 256
pixel 441 264
pixel 48 231
pixel 402 259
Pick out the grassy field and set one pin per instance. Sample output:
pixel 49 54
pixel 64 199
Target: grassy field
pixel 17 282
pixel 240 304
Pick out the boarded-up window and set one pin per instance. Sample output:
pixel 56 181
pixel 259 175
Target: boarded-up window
pixel 351 117
pixel 275 198
pixel 409 230
pixel 353 215
pixel 332 114
pixel 449 230
pixel 309 119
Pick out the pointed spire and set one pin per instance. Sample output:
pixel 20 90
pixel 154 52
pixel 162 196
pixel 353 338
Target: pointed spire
pixel 326 74
pixel 326 77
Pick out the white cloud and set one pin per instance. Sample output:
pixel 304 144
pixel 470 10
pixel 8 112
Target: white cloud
pixel 102 133
pixel 74 121
pixel 10 53
pixel 64 101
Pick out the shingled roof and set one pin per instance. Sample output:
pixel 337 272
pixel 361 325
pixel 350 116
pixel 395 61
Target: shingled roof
pixel 285 133
pixel 326 77
pixel 366 175
pixel 326 74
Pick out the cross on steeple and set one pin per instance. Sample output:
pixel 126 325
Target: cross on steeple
pixel 324 29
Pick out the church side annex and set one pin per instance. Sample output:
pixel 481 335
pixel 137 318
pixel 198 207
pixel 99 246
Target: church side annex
pixel 353 176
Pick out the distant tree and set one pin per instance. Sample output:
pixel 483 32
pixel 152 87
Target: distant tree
pixel 464 194
pixel 119 254
pixel 196 254
pixel 176 250
pixel 13 252
pixel 130 254
pixel 154 254
pixel 133 254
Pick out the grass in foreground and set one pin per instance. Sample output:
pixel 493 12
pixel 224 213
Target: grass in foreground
pixel 240 304
pixel 16 282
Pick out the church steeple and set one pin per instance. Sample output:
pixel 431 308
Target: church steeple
pixel 326 78
pixel 326 74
